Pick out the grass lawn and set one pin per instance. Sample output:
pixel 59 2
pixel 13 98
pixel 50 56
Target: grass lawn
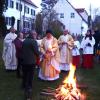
pixel 10 86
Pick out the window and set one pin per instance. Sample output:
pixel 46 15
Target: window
pixel 61 15
pixel 32 12
pixel 26 24
pixel 8 21
pixel 57 14
pixel 72 15
pixel 11 4
pixel 26 10
pixel 16 5
pixel 19 6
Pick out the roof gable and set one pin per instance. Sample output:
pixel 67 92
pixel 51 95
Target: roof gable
pixel 74 10
pixel 81 10
pixel 77 12
pixel 30 2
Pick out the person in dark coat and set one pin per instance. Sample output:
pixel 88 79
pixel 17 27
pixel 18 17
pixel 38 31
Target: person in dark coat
pixel 96 36
pixel 29 50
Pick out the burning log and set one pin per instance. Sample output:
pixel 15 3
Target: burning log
pixel 46 93
pixel 48 90
pixel 59 95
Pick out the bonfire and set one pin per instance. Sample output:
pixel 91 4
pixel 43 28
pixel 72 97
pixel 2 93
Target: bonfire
pixel 68 90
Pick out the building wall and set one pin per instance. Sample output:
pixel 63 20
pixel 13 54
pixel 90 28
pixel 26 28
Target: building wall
pixel 16 13
pixel 85 27
pixel 71 19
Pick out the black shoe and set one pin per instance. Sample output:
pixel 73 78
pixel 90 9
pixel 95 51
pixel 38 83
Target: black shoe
pixel 28 99
pixel 28 94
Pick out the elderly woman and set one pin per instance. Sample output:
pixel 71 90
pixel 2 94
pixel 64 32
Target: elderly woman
pixel 18 45
pixel 50 64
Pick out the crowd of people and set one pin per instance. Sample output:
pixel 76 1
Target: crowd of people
pixel 24 53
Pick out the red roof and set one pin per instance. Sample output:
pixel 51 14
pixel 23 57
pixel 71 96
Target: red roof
pixel 30 2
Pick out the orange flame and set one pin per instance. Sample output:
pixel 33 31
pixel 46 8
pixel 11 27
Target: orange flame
pixel 69 91
pixel 70 79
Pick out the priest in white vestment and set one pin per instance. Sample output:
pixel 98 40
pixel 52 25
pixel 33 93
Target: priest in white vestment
pixel 49 69
pixel 66 44
pixel 9 51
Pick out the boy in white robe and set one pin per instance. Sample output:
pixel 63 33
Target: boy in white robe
pixel 87 45
pixel 76 52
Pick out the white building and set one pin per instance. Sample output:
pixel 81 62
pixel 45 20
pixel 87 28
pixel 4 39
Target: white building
pixel 84 15
pixel 75 22
pixel 23 11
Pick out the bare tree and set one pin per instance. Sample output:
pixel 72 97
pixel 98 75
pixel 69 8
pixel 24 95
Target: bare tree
pixel 3 6
pixel 38 23
pixel 49 14
pixel 47 6
pixel 96 22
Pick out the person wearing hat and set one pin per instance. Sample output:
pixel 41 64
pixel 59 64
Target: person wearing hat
pixel 50 62
pixel 18 45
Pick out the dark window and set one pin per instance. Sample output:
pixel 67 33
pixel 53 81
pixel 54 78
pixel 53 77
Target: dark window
pixel 32 12
pixel 72 15
pixel 8 21
pixel 7 3
pixel 18 25
pixel 26 10
pixel 61 15
pixel 19 6
pixel 57 14
pixel 11 4
pixel 26 24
